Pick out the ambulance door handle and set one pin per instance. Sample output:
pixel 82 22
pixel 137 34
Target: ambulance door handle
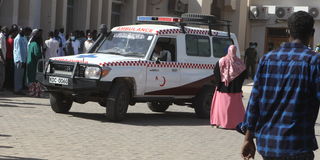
pixel 154 70
pixel 174 70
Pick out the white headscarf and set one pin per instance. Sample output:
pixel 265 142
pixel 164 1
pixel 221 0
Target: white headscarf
pixel 33 33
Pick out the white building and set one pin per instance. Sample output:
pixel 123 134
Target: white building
pixel 89 14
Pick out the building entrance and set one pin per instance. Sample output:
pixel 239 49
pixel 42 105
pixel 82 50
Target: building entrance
pixel 274 38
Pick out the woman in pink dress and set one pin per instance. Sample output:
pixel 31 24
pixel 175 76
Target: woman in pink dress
pixel 227 109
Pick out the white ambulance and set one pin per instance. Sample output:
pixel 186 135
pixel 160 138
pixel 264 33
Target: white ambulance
pixel 161 61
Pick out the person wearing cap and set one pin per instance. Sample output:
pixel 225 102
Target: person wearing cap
pixel 3 52
pixel 20 53
pixel 88 43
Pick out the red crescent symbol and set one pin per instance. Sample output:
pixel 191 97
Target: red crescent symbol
pixel 164 81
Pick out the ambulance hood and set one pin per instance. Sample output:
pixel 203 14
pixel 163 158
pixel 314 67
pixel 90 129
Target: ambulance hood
pixel 97 58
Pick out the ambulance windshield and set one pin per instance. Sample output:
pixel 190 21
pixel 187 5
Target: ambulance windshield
pixel 126 44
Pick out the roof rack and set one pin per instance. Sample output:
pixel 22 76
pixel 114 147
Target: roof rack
pixel 187 19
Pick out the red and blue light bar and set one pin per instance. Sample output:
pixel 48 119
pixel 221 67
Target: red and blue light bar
pixel 159 19
pixel 146 18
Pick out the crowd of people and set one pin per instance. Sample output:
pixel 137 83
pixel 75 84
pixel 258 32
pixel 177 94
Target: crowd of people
pixel 21 48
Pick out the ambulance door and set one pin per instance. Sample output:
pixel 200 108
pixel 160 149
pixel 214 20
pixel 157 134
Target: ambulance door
pixel 163 73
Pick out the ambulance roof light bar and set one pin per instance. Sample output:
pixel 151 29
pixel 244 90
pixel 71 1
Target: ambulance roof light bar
pixel 158 19
pixel 177 21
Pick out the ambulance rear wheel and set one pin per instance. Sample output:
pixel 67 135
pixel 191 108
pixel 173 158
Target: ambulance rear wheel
pixel 202 102
pixel 117 102
pixel 60 103
pixel 158 106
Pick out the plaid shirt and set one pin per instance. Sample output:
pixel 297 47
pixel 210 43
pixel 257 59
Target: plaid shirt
pixel 284 102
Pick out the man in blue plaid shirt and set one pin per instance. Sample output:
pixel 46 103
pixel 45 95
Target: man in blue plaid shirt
pixel 285 99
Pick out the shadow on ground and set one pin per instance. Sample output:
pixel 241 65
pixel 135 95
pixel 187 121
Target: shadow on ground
pixel 5 135
pixel 150 119
pixel 10 94
pixel 7 102
pixel 2 157
pixel 6 147
pixel 24 103
pixel 11 105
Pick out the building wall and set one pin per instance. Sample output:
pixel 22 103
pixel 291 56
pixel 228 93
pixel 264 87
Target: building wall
pixel 161 8
pixel 45 20
pixel 106 12
pixel 80 15
pixel 258 28
pixel 288 3
pixel 23 16
pixel 94 14
pixel 141 7
pixel 128 12
pixel 35 13
pixel 61 9
pixel 6 14
pixel 89 14
pixel 238 17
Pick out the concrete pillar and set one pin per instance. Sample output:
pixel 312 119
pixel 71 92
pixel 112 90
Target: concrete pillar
pixel 141 8
pixel 248 27
pixel 99 13
pixel 205 6
pixel 200 6
pixel 134 11
pixel 195 6
pixel 109 14
pixel 243 18
pixel 15 12
pixel 35 13
pixel 64 14
pixel 53 15
pixel 88 10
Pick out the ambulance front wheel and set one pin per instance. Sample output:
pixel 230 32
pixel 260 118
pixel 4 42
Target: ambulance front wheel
pixel 60 103
pixel 117 102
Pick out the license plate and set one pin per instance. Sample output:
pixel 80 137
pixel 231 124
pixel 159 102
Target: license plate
pixel 58 80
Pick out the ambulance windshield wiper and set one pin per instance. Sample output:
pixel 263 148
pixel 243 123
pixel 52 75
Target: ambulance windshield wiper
pixel 135 54
pixel 115 53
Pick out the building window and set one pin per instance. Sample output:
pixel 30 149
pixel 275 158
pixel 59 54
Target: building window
pixel 198 45
pixel 220 46
pixel 115 18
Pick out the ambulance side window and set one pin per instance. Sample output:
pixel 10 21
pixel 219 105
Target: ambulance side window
pixel 220 46
pixel 168 46
pixel 198 45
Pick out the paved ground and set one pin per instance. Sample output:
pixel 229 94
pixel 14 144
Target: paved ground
pixel 30 130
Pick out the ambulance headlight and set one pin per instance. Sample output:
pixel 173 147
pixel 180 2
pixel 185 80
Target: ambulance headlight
pixel 92 72
pixel 48 68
